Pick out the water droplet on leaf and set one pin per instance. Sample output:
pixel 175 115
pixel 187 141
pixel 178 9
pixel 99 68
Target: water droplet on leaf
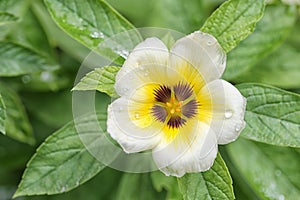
pixel 63 189
pixel 277 172
pixel 26 79
pixel 46 76
pixel 97 35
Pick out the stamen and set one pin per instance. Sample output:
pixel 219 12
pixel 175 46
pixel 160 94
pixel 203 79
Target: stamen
pixel 174 105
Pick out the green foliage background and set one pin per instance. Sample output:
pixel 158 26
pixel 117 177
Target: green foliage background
pixel 42 45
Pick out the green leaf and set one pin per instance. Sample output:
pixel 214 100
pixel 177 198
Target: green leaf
pixel 169 183
pixel 17 60
pixel 215 183
pixel 2 115
pixel 90 22
pixel 6 18
pixel 33 38
pixel 266 37
pixel 272 172
pixel 63 162
pixel 136 187
pixel 189 16
pixel 280 69
pixel 17 125
pixel 101 79
pixel 233 21
pixel 272 115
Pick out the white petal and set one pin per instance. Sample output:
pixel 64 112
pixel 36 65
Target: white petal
pixel 146 63
pixel 203 52
pixel 125 129
pixel 228 109
pixel 184 155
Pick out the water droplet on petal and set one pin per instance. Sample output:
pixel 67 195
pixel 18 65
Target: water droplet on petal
pixel 136 115
pixel 97 35
pixel 277 172
pixel 125 89
pixel 237 128
pixel 228 114
pixel 146 73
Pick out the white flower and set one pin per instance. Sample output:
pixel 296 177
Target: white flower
pixel 175 103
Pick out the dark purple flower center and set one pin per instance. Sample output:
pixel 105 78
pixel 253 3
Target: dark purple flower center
pixel 174 105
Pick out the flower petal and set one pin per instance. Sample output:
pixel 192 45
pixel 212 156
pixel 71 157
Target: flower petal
pixel 193 154
pixel 227 107
pixel 203 52
pixel 132 125
pixel 146 63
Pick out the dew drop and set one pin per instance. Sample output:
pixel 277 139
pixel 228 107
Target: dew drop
pixel 97 35
pixel 125 89
pixel 77 183
pixel 46 76
pixel 146 73
pixel 228 114
pixel 137 115
pixel 277 173
pixel 63 189
pixel 26 79
pixel 237 128
pixel 123 53
pixel 209 43
pixel 281 197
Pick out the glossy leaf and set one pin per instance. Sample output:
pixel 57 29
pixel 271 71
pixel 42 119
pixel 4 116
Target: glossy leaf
pixel 136 187
pixel 272 115
pixel 215 183
pixel 101 79
pixel 17 125
pixel 2 115
pixel 63 162
pixel 92 21
pixel 233 21
pixel 6 18
pixel 17 60
pixel 266 37
pixel 272 172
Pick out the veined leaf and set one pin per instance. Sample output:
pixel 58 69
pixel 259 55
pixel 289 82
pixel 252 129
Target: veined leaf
pixel 16 123
pixel 91 21
pixel 266 37
pixel 215 183
pixel 101 79
pixel 272 172
pixel 63 162
pixel 272 115
pixel 6 18
pixel 280 69
pixel 233 21
pixel 136 187
pixel 17 60
pixel 2 115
